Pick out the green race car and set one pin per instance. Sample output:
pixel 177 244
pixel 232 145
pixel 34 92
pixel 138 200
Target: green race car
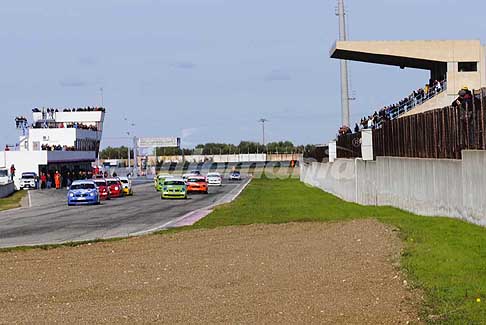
pixel 159 181
pixel 174 188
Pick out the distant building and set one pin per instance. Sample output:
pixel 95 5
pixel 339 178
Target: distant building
pixel 67 141
pixel 459 63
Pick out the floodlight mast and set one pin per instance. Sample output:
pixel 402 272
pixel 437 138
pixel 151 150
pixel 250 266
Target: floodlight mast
pixel 263 120
pixel 344 67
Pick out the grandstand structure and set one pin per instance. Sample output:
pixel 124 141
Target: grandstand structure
pixel 56 140
pixel 456 63
pixel 437 123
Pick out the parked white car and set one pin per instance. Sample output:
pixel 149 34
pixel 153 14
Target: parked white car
pixel 214 179
pixel 28 180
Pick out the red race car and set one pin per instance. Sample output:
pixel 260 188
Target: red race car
pixel 116 187
pixel 103 188
pixel 196 183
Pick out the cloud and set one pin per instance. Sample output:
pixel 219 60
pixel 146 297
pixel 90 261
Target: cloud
pixel 277 75
pixel 183 65
pixel 187 133
pixel 72 82
pixel 87 60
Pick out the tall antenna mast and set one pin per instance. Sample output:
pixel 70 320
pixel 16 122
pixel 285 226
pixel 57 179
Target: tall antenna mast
pixel 344 66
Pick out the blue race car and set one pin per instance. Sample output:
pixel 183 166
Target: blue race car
pixel 83 192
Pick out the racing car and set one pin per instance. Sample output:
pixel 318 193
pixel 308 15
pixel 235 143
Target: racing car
pixel 83 192
pixel 174 188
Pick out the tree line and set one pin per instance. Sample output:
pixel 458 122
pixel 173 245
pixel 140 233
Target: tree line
pixel 244 147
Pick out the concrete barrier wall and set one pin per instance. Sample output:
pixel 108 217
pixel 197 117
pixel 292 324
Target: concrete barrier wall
pixel 337 178
pixel 6 190
pixel 431 187
pixel 474 185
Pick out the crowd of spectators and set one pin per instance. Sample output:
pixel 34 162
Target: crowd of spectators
pixel 51 111
pixel 46 147
pixel 391 112
pixel 60 179
pixel 20 122
pixel 61 125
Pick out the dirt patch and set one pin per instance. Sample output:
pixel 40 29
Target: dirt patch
pixel 292 273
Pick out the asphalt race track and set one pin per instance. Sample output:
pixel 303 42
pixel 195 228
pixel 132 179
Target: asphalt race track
pixel 51 221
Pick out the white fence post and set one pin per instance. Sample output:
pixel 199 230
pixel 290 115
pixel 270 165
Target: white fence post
pixel 332 151
pixel 367 144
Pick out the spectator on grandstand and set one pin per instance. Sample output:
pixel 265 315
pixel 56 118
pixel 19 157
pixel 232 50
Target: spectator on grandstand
pixel 344 130
pixel 356 128
pixel 50 111
pixel 465 96
pixel 415 98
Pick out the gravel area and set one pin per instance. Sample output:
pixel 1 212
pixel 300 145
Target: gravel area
pixel 333 273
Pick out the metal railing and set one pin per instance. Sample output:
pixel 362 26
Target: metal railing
pixel 416 100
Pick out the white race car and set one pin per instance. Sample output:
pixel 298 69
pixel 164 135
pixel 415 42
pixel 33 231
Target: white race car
pixel 214 179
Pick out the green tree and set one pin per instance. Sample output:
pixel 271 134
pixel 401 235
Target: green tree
pixel 115 153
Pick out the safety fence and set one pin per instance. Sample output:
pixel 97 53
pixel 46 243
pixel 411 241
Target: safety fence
pixel 349 145
pixel 440 133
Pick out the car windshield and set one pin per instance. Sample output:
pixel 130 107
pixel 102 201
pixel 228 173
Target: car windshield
pixel 28 176
pixel 100 183
pixel 84 186
pixel 195 172
pixel 112 183
pixel 213 175
pixel 124 181
pixel 174 183
pixel 236 173
pixel 3 173
pixel 196 180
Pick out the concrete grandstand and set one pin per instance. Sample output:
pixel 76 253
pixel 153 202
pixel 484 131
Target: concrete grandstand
pixel 457 63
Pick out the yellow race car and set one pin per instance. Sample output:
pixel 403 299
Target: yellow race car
pixel 127 185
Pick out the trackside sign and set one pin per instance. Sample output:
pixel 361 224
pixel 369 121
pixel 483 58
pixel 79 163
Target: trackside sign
pixel 169 142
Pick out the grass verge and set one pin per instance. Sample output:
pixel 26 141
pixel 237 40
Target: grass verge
pixel 12 201
pixel 444 257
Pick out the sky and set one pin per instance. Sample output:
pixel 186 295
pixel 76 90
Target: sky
pixel 208 70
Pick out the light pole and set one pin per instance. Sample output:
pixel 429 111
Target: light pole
pixel 263 120
pixel 344 66
pixel 129 147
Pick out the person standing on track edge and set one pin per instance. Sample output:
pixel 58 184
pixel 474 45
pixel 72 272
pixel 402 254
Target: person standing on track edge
pixel 57 180
pixel 43 180
pixel 12 171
